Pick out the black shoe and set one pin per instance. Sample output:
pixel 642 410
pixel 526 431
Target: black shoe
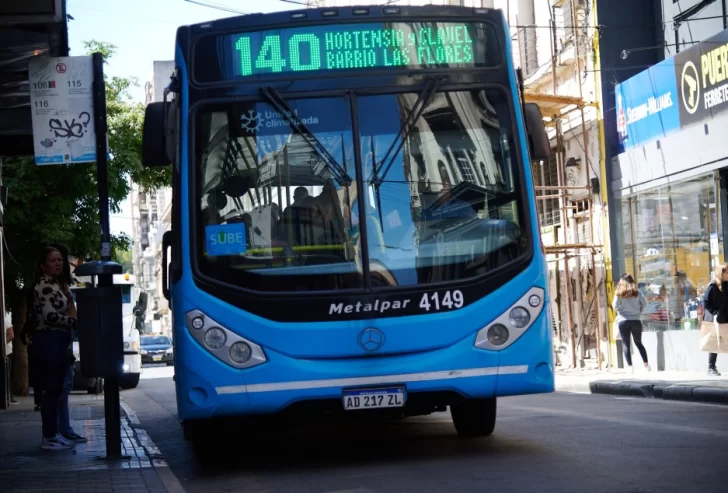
pixel 37 407
pixel 713 372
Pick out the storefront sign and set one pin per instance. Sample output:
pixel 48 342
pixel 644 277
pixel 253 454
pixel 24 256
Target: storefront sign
pixel 702 74
pixel 688 88
pixel 647 105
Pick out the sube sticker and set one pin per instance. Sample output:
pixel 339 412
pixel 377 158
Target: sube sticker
pixel 225 239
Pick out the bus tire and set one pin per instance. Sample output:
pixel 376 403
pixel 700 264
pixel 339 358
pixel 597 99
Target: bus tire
pixel 197 431
pixel 205 440
pixel 474 417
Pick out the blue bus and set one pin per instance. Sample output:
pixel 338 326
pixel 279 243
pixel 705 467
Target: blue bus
pixel 355 230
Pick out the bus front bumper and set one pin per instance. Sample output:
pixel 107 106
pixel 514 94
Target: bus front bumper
pixel 132 362
pixel 430 380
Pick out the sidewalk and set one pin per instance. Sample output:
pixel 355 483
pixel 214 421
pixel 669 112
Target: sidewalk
pixel 687 386
pixel 25 467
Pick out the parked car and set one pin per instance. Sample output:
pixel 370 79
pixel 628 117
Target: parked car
pixel 157 349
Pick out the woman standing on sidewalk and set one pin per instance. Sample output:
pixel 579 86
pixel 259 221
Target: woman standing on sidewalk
pixel 64 421
pixel 629 303
pixel 715 301
pixel 52 338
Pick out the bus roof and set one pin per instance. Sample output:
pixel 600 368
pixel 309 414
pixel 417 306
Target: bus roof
pixel 360 13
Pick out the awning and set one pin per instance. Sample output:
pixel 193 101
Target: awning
pixel 28 28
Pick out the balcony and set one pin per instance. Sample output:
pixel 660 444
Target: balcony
pixel 527 42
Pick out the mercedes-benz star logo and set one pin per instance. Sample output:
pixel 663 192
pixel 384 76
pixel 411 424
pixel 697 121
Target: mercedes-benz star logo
pixel 371 339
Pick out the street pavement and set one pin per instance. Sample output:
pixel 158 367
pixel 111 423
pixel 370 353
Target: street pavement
pixel 563 442
pixel 24 467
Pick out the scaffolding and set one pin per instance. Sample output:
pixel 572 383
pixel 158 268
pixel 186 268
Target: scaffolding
pixel 570 248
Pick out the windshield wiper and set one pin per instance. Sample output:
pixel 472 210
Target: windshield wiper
pixel 276 100
pixel 418 108
pixel 413 116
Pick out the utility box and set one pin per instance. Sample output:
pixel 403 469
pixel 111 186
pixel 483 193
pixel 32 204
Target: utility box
pixel 100 326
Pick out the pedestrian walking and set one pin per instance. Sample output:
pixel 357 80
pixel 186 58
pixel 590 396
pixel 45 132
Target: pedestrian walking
pixel 629 303
pixel 715 302
pixel 52 338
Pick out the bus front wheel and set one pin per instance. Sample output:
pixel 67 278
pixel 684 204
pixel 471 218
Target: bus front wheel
pixel 474 417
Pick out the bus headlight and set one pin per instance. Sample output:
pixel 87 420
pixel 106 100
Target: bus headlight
pixel 497 335
pixel 519 317
pixel 215 338
pixel 224 344
pixel 240 352
pixel 513 322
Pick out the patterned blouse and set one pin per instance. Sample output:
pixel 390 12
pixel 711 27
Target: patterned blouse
pixel 51 306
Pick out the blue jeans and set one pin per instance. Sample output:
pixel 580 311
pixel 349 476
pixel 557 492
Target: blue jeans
pixel 64 420
pixel 52 359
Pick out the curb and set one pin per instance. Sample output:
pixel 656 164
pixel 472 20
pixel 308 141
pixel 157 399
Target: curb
pixel 659 390
pixel 168 478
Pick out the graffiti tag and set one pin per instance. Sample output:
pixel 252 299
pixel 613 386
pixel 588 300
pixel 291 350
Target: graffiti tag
pixel 67 130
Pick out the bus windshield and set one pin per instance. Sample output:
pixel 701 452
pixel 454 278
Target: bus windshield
pixel 279 197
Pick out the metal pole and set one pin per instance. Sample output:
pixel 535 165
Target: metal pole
pixel 99 101
pixel 598 317
pixel 560 175
pixel 590 198
pixel 112 408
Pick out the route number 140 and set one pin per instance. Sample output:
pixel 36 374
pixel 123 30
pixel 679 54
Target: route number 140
pixel 449 300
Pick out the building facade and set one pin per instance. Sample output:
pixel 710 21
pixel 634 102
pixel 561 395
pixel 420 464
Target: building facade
pixel 669 175
pixel 151 217
pixel 554 41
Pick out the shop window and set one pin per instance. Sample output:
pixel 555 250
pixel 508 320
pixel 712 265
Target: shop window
pixel 626 238
pixel 672 241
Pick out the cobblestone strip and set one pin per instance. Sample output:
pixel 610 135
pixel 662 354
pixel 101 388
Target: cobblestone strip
pixel 165 474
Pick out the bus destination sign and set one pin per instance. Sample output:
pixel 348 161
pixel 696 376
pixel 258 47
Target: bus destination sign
pixel 409 45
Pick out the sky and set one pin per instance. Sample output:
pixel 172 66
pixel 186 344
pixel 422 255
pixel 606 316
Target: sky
pixel 144 31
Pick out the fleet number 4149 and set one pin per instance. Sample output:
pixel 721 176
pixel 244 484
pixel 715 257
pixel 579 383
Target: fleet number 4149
pixel 436 300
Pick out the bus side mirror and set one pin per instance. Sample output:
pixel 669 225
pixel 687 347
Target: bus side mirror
pixel 538 139
pixel 158 143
